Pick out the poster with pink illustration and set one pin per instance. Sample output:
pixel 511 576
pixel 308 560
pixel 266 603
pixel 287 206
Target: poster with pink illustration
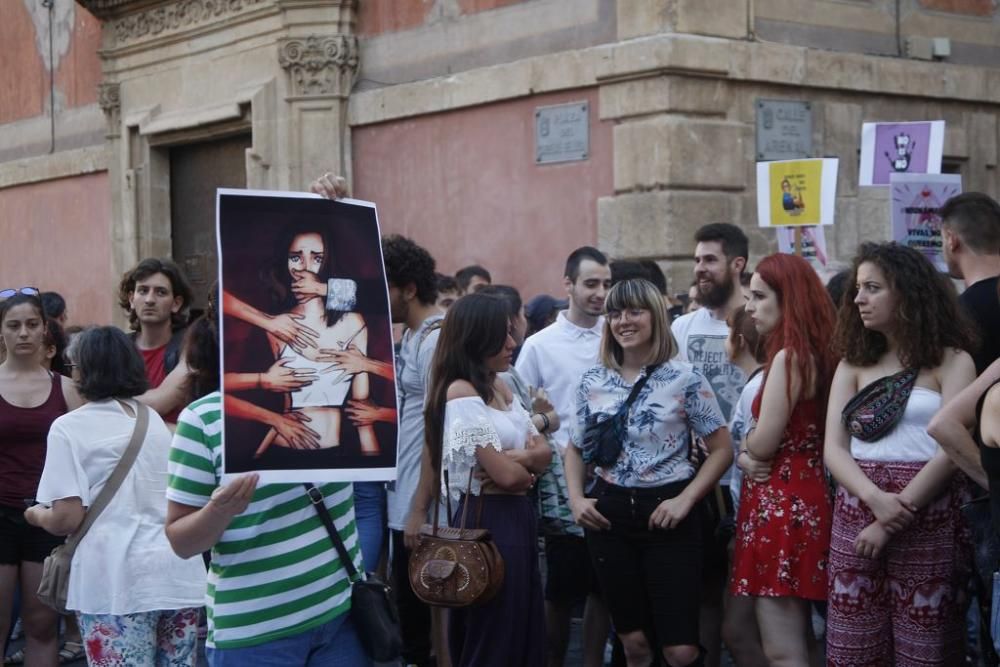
pixel 813 245
pixel 900 148
pixel 916 200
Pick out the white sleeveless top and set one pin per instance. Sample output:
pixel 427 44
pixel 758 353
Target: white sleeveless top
pixel 909 441
pixel 328 390
pixel 470 424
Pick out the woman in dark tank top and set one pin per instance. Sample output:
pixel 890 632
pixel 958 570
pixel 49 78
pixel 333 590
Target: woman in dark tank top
pixel 988 438
pixel 31 398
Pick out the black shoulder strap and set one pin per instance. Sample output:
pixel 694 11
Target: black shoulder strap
pixel 637 387
pixel 172 355
pixel 316 497
pixel 433 326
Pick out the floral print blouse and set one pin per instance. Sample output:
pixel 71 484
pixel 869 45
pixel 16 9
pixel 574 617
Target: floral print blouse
pixel 676 403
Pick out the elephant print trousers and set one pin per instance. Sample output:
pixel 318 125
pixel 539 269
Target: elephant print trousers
pixel 907 606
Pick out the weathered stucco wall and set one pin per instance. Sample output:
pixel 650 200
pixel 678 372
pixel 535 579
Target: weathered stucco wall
pixel 57 236
pixel 465 185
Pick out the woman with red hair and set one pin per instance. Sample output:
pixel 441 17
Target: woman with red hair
pixel 783 524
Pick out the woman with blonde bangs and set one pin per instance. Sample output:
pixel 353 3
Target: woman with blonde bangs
pixel 642 516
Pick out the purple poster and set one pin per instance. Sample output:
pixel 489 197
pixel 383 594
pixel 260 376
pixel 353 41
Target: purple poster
pixel 916 200
pixel 900 148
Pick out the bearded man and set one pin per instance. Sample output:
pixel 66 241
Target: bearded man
pixel 720 258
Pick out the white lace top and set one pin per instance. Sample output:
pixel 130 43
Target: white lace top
pixel 470 424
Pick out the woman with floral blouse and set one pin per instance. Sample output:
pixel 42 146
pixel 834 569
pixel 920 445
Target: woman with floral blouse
pixel 642 516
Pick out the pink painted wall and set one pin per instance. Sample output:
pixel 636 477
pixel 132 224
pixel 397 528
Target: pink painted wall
pixel 24 85
pixel 57 236
pixel 464 184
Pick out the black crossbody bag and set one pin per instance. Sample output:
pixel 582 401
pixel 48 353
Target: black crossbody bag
pixel 372 608
pixel 603 439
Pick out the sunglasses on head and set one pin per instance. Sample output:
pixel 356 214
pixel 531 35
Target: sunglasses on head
pixel 9 292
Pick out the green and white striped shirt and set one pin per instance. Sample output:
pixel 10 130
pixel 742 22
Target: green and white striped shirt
pixel 274 572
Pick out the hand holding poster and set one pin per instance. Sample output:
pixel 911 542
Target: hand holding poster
pixel 796 192
pixel 900 148
pixel 307 363
pixel 916 200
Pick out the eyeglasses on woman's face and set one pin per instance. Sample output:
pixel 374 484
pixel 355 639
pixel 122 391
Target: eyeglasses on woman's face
pixel 631 314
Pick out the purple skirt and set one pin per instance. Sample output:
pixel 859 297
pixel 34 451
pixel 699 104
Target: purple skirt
pixel 509 629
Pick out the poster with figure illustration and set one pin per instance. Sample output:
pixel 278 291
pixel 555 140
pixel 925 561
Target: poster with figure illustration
pixel 916 200
pixel 813 245
pixel 900 148
pixel 796 193
pixel 307 359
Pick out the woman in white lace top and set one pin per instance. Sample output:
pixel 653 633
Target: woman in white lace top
pixel 477 431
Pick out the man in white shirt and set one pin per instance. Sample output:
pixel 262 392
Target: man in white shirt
pixel 720 258
pixel 554 359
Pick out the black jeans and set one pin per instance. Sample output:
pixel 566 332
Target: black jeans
pixel 414 615
pixel 650 578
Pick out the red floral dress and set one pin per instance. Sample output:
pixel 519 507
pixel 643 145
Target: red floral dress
pixel 783 525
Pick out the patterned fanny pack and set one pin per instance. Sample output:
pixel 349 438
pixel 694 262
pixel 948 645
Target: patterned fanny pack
pixel 875 410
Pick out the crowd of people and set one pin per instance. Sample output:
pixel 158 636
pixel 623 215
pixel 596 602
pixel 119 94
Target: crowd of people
pixel 791 471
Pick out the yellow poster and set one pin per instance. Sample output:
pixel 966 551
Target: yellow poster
pixel 795 188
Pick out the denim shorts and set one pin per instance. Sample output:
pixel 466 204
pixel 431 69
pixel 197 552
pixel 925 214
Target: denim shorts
pixel 333 644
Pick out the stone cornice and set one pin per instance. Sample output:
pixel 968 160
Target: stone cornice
pixel 685 55
pixel 63 164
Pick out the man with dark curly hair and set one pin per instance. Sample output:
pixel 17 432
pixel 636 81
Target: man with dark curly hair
pixel 156 296
pixel 409 269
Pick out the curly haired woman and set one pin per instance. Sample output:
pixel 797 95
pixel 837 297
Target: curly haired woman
pixel 898 541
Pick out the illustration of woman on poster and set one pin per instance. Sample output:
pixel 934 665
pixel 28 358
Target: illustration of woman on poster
pixel 793 204
pixel 304 248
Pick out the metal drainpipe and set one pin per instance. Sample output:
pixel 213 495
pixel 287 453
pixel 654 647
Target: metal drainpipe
pixel 49 5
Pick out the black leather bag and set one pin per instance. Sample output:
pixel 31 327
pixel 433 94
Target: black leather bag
pixel 604 436
pixel 373 609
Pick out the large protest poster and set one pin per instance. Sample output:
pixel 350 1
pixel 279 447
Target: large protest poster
pixel 796 192
pixel 307 357
pixel 916 200
pixel 900 148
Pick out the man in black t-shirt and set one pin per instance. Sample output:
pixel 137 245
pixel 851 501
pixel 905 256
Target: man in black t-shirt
pixel 970 234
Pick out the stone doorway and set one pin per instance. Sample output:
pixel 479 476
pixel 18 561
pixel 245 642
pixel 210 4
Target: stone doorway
pixel 196 170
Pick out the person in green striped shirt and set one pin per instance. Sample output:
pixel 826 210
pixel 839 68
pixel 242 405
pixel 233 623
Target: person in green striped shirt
pixel 277 592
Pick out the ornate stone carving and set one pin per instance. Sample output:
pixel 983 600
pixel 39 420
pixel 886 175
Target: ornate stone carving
pixel 169 18
pixel 108 96
pixel 320 65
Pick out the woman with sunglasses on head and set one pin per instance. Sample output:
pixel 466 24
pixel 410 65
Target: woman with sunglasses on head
pixel 31 398
pixel 899 550
pixel 642 517
pixel 783 523
pixel 477 431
